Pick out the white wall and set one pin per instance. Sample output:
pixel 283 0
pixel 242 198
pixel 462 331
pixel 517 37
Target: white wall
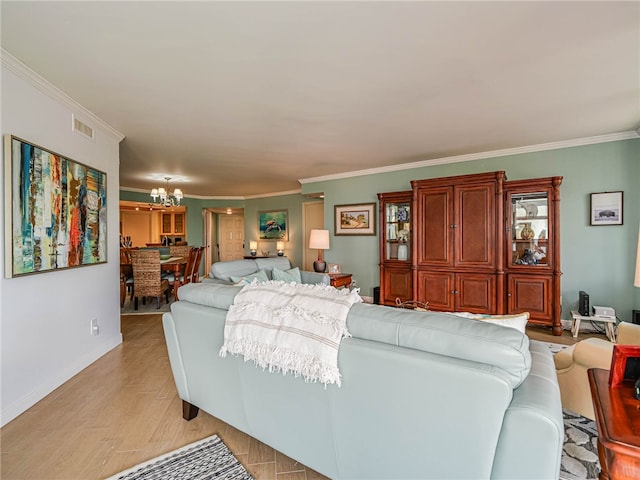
pixel 45 318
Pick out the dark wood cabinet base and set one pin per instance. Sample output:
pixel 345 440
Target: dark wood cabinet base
pixel 189 412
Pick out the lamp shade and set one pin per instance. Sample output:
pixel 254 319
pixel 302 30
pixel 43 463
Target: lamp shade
pixel 636 282
pixel 319 239
pixel 253 245
pixel 279 245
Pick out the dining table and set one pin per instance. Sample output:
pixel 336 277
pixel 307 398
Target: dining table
pixel 176 266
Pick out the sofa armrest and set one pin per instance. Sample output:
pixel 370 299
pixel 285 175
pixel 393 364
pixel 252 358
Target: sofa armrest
pixel 315 277
pixel 628 334
pixel 589 353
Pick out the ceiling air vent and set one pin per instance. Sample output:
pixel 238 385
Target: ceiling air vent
pixel 82 128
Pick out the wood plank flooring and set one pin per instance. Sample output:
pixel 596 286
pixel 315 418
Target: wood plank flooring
pixel 123 409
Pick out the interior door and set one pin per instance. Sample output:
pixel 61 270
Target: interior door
pixel 231 237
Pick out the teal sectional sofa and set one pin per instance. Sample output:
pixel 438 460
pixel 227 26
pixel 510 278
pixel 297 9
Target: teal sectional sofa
pixel 424 395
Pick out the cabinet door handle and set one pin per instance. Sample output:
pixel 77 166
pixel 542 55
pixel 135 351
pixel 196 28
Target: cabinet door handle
pixel 454 292
pixel 453 225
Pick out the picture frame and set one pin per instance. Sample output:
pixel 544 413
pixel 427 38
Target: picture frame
pixel 273 225
pixel 333 268
pixel 625 364
pixel 355 219
pixel 56 210
pixel 606 208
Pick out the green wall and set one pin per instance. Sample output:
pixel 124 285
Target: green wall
pixel 599 260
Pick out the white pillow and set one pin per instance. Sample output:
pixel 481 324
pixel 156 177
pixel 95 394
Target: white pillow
pixel 517 321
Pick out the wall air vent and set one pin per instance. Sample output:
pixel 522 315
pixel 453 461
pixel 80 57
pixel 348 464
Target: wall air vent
pixel 82 128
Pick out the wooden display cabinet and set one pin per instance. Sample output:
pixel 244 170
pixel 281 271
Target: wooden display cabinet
pixel 458 238
pixel 395 247
pixel 532 256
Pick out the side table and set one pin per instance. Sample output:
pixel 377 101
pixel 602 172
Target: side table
pixel 340 279
pixel 618 421
pixel 608 324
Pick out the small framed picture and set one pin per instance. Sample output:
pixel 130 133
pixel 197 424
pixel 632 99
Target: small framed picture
pixel 606 208
pixel 625 364
pixel 334 268
pixel 358 219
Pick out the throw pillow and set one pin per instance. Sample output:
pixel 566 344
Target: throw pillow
pixel 259 276
pixel 288 276
pixel 517 321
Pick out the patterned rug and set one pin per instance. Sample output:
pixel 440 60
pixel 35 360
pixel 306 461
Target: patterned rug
pixel 580 450
pixel 203 460
pixel 150 307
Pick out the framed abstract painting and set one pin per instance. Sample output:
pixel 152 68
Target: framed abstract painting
pixel 56 211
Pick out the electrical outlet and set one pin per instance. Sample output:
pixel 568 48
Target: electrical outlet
pixel 95 329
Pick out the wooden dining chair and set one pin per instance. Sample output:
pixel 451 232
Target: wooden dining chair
pixel 126 274
pixel 195 275
pixel 146 276
pixel 181 251
pixel 192 271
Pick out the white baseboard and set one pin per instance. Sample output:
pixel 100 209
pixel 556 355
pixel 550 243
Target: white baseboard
pixel 21 405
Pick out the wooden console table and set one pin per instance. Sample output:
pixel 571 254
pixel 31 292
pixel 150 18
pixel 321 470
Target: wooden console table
pixel 340 279
pixel 618 420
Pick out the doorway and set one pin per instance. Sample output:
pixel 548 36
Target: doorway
pixel 224 234
pixel 312 218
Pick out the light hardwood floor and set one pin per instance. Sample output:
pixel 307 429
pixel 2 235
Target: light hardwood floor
pixel 123 409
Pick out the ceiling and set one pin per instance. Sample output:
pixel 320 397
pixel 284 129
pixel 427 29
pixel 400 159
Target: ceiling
pixel 247 98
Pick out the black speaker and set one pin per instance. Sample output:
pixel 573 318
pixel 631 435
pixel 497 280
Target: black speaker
pixel 635 317
pixel 583 303
pixel 376 295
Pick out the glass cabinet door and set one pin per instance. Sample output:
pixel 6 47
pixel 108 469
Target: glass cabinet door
pixel 529 213
pixel 398 222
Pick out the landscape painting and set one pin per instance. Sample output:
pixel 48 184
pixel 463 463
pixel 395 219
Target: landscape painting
pixel 58 211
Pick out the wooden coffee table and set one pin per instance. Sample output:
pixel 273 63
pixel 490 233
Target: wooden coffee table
pixel 618 421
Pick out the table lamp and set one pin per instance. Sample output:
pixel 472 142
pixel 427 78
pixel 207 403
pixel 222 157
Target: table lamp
pixel 280 248
pixel 253 246
pixel 319 239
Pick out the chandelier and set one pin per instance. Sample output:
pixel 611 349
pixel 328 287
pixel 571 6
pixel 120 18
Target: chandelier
pixel 163 197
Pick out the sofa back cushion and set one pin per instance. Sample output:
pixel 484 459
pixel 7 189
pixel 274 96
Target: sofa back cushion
pixel 444 334
pixel 237 268
pixel 209 294
pixel 267 264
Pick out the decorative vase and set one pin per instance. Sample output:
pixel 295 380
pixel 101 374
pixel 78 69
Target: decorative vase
pixel 527 232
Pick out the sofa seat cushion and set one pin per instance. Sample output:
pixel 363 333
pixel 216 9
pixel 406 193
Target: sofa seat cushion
pixel 444 334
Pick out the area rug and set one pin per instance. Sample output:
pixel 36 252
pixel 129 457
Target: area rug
pixel 206 459
pixel 555 347
pixel 580 449
pixel 150 307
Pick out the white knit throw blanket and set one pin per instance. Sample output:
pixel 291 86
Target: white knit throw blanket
pixel 290 327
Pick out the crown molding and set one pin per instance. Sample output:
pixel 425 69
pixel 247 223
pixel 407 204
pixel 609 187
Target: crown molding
pixel 613 137
pixel 213 197
pixel 40 83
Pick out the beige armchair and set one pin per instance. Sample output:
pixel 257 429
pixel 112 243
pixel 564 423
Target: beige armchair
pixel 572 364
